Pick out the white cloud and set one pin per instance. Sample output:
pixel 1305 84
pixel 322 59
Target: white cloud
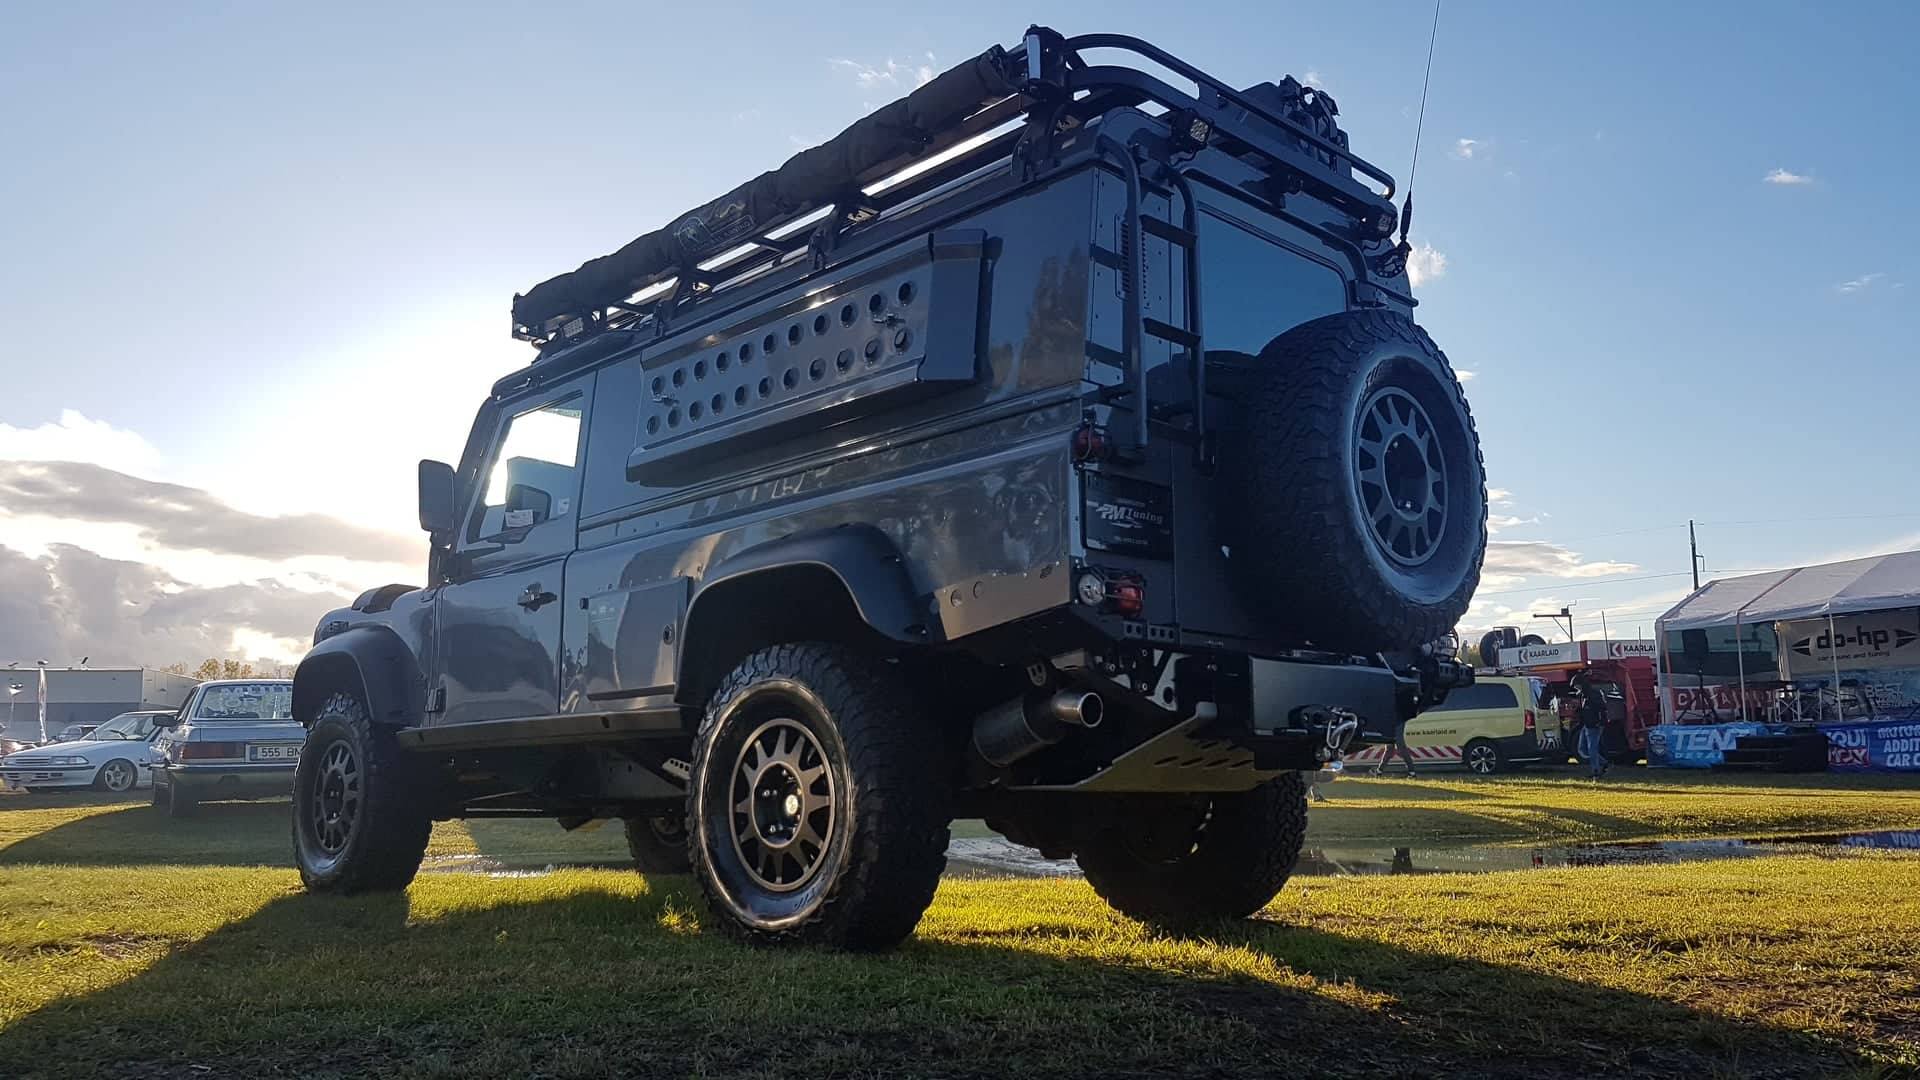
pixel 76 438
pixel 1464 149
pixel 1425 263
pixel 1860 284
pixel 1497 522
pixel 71 602
pixel 1497 496
pixel 1513 561
pixel 1789 179
pixel 1465 374
pixel 1314 79
pixel 890 73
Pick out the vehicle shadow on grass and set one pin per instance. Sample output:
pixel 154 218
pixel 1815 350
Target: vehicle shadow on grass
pixel 620 982
pixel 216 834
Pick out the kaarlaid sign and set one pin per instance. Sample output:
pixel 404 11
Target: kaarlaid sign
pixel 1575 652
pixel 1878 639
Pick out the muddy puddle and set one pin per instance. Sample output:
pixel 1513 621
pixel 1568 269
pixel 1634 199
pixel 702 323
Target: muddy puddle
pixel 992 855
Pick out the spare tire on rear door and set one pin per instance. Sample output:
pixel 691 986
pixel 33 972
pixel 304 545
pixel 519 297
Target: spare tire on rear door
pixel 1356 501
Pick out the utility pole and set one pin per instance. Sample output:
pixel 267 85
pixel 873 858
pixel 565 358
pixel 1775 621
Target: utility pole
pixel 1693 551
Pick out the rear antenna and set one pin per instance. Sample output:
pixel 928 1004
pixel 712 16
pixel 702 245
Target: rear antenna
pixel 1420 126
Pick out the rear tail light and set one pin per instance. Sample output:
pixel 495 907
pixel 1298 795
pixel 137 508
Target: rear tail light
pixel 1529 720
pixel 204 750
pixel 1091 443
pixel 1126 598
pixel 1111 591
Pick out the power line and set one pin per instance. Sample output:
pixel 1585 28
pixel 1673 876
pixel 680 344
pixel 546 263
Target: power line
pixel 1548 582
pixel 1823 517
pixel 1587 581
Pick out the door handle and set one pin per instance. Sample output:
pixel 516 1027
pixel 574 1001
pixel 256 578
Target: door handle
pixel 533 597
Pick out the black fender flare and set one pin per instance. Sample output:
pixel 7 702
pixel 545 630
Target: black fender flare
pixel 372 659
pixel 865 562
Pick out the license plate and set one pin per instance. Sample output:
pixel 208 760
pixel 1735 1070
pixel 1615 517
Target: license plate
pixel 273 753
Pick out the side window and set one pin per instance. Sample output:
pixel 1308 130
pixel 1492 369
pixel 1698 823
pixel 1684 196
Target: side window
pixel 1478 696
pixel 531 478
pixel 1252 289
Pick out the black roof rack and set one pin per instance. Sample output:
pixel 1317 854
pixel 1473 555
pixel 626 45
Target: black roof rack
pixel 947 129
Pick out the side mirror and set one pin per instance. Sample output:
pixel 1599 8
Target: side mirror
pixel 436 499
pixel 162 723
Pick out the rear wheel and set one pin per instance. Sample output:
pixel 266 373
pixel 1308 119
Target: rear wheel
pixel 117 776
pixel 659 843
pixel 1175 860
pixel 177 802
pixel 1483 757
pixel 360 820
pixel 819 800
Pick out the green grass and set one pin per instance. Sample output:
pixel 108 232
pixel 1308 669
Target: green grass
pixel 1631 804
pixel 134 946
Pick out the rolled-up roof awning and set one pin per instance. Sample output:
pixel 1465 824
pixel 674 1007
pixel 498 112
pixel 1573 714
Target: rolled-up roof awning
pixel 860 155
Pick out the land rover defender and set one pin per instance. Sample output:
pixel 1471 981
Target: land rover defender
pixel 1055 446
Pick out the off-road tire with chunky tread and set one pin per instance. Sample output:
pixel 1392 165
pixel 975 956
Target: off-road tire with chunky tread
pixel 1241 858
pixel 1291 515
pixel 655 852
pixel 892 788
pixel 389 838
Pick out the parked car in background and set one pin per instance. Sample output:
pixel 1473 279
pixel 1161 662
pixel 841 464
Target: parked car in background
pixel 1494 725
pixel 234 738
pixel 115 756
pixel 1489 727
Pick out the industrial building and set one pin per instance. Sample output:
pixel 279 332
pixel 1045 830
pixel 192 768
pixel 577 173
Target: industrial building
pixel 85 695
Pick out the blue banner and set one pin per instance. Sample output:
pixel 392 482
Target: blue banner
pixel 1698 746
pixel 1868 746
pixel 1873 747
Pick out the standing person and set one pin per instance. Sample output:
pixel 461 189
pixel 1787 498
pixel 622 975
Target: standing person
pixel 1593 725
pixel 1400 747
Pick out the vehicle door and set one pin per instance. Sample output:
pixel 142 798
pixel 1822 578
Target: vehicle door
pixel 499 615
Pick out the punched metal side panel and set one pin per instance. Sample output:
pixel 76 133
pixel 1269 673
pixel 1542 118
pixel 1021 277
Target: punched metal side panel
pixel 910 327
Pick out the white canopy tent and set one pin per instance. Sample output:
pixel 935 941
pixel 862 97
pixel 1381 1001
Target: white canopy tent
pixel 1856 586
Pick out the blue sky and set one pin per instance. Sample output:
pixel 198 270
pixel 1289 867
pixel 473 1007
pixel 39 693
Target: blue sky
pixel 233 231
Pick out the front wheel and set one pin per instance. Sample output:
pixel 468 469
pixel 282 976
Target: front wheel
pixel 1175 860
pixel 819 800
pixel 360 823
pixel 117 776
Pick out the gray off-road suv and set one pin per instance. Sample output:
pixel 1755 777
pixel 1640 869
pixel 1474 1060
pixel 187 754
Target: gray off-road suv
pixel 1055 446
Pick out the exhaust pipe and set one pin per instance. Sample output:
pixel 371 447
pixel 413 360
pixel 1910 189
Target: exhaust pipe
pixel 1009 732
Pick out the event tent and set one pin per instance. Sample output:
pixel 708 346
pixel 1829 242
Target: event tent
pixel 1854 586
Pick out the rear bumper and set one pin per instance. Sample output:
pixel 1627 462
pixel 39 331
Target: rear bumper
pixel 1298 713
pixel 275 778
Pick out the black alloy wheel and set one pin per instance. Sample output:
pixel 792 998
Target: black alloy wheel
pixel 334 805
pixel 783 812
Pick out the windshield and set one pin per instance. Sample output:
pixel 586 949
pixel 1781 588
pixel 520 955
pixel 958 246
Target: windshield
pixel 126 726
pixel 246 701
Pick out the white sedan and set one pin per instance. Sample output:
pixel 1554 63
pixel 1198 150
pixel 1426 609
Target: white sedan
pixel 116 756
